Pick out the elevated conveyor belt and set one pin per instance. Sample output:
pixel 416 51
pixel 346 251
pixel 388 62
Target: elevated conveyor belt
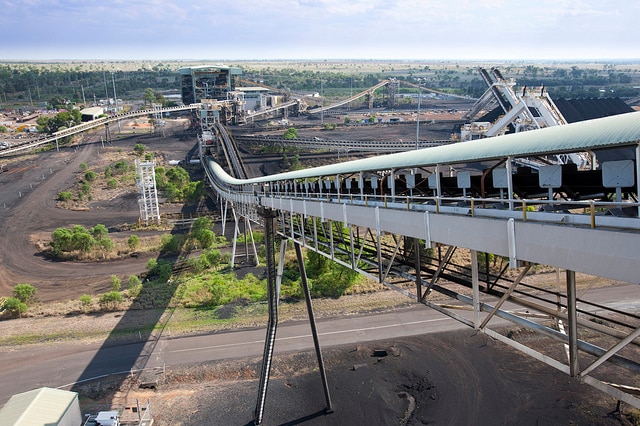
pixel 386 216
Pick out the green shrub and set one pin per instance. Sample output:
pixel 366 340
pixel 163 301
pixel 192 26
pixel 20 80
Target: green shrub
pixel 134 286
pixel 105 244
pixel 24 293
pixel 90 176
pixel 133 281
pixel 85 188
pixel 133 242
pixel 99 231
pixel 85 303
pixel 84 167
pixel 169 243
pixel 159 270
pixel 120 167
pixel 65 196
pixel 112 183
pixel 116 283
pixel 206 238
pixel 110 300
pixel 291 133
pixel 139 149
pixel 15 307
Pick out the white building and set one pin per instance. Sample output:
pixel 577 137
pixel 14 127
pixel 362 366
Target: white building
pixel 44 406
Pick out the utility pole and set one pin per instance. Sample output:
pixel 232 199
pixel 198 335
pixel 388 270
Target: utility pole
pixel 418 119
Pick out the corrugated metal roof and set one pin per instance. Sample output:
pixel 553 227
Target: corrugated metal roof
pixel 44 406
pixel 619 130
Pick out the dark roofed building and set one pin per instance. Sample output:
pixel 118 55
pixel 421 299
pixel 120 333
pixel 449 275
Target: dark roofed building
pixel 575 110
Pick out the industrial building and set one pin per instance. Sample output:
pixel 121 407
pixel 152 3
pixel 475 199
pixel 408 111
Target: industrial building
pixel 44 406
pixel 207 82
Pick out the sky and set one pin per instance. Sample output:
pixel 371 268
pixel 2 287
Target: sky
pixel 319 29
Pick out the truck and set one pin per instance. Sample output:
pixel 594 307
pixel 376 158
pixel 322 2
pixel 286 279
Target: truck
pixel 104 418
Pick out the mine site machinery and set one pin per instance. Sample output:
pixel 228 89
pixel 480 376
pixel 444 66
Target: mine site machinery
pixel 401 218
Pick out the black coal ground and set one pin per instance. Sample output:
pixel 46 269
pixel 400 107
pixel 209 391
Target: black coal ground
pixel 455 378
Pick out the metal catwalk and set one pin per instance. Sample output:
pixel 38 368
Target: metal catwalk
pixel 401 221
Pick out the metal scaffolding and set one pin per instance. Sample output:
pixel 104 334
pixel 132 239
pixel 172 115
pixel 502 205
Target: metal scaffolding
pixel 148 201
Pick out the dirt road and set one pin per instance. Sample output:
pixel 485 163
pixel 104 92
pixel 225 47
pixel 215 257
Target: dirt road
pixel 27 197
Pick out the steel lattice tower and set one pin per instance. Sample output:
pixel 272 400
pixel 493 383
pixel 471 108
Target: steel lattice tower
pixel 148 200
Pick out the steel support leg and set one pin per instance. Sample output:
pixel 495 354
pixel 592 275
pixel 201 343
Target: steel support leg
pixel 572 332
pixel 269 237
pixel 475 285
pixel 418 268
pixel 312 323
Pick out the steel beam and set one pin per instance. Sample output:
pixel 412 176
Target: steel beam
pixel 269 236
pixel 314 331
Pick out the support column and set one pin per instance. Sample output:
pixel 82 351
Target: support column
pixel 418 267
pixel 314 331
pixel 572 332
pixel 269 237
pixel 475 284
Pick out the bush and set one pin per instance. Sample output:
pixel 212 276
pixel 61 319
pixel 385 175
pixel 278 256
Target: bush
pixel 159 269
pixel 112 183
pixel 110 300
pixel 84 167
pixel 133 281
pixel 90 176
pixel 139 149
pixel 24 293
pixel 65 196
pixel 116 283
pixel 105 244
pixel 169 243
pixel 291 133
pixel 15 307
pixel 82 239
pixel 120 167
pixel 85 188
pixel 133 242
pixel 206 238
pixel 134 286
pixel 99 231
pixel 85 303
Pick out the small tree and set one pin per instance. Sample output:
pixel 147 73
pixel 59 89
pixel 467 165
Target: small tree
pixel 105 244
pixel 112 183
pixel 90 176
pixel 134 286
pixel 15 307
pixel 133 242
pixel 99 231
pixel 139 149
pixel 206 238
pixel 170 243
pixel 65 196
pixel 116 283
pixel 24 293
pixel 291 133
pixel 85 303
pixel 110 300
pixel 149 96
